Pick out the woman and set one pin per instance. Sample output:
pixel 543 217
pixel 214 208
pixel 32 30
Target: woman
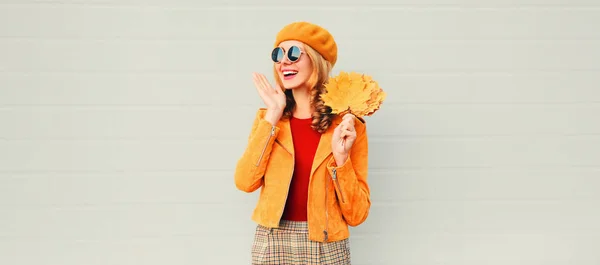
pixel 311 165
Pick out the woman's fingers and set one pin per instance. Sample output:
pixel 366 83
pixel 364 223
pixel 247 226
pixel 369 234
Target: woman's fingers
pixel 257 81
pixel 346 130
pixel 343 134
pixel 347 125
pixel 278 88
pixel 265 83
pixel 258 86
pixel 349 118
pixel 262 82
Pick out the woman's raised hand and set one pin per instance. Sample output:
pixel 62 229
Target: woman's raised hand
pixel 343 138
pixel 273 97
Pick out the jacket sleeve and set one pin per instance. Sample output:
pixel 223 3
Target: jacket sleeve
pixel 350 180
pixel 251 166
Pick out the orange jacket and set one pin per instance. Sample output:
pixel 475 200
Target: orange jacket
pixel 338 196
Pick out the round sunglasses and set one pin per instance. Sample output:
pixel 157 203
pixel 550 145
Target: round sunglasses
pixel 293 54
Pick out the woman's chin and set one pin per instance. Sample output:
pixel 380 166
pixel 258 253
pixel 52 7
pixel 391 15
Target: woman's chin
pixel 292 85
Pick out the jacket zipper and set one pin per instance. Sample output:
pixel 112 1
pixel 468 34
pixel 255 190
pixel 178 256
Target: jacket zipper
pixel 325 233
pixel 265 147
pixel 290 181
pixel 334 176
pixel 288 189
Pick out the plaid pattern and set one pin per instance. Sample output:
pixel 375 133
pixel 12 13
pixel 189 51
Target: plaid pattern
pixel 289 245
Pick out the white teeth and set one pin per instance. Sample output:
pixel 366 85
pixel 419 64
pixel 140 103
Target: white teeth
pixel 289 72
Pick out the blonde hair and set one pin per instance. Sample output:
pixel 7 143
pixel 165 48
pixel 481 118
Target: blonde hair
pixel 322 116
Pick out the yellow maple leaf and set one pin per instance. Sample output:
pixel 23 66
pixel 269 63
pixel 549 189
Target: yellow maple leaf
pixel 377 98
pixel 353 93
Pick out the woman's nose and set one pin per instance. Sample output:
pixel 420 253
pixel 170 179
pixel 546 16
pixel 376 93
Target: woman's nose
pixel 285 60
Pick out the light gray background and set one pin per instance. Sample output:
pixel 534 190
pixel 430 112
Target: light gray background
pixel 121 122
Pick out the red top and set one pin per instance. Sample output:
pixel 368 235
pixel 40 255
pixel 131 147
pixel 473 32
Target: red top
pixel 306 141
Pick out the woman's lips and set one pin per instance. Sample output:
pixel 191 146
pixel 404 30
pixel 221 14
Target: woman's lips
pixel 289 74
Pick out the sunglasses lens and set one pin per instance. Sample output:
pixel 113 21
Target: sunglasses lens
pixel 294 53
pixel 277 55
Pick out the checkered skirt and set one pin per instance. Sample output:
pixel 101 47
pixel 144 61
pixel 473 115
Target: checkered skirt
pixel 289 245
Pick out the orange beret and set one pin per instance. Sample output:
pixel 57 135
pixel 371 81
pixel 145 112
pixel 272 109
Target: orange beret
pixel 312 35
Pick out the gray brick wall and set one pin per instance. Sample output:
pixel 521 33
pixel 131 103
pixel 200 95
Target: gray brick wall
pixel 121 122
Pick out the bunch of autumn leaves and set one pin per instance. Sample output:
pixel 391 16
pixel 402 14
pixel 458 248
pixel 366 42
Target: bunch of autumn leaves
pixel 353 93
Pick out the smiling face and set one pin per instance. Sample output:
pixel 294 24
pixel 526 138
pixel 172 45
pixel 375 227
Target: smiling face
pixel 293 74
